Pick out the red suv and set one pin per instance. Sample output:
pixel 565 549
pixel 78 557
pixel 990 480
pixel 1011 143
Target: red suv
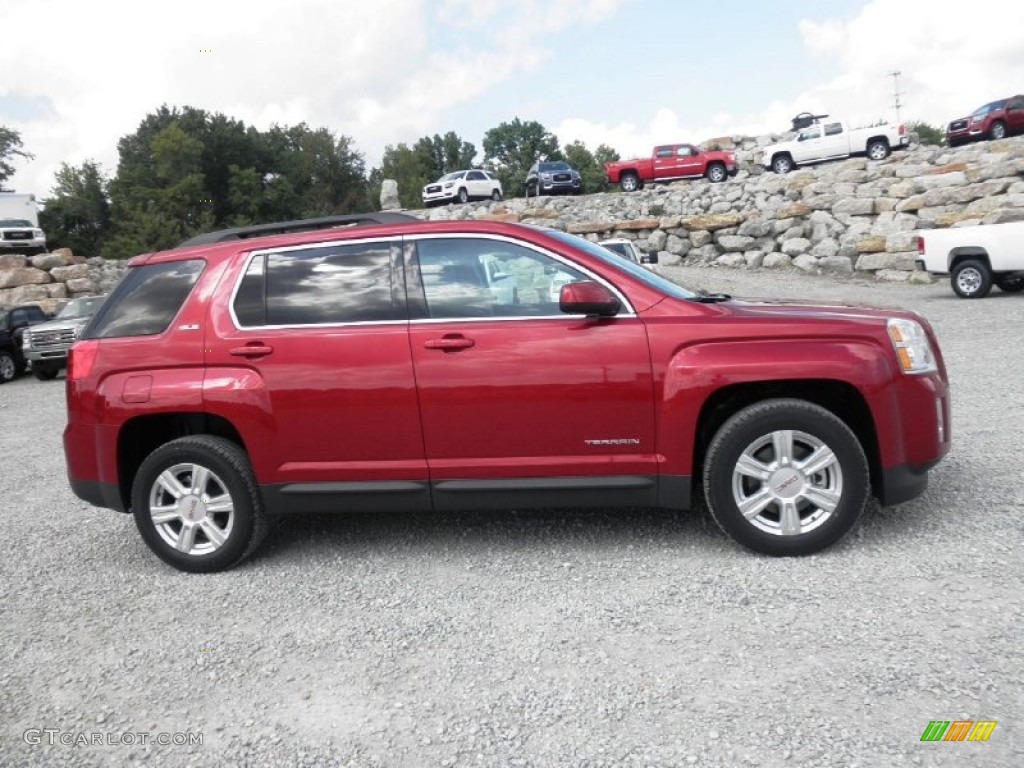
pixel 397 364
pixel 995 120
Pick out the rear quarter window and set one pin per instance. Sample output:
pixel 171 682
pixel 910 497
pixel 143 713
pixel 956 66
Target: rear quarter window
pixel 146 300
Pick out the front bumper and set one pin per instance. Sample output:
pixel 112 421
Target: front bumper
pixel 33 244
pixel 554 187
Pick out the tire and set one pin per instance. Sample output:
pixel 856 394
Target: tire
pixel 496 196
pixel 878 149
pixel 45 373
pixel 716 173
pixel 997 131
pixel 790 513
pixel 169 473
pixel 782 164
pixel 630 182
pixel 971 279
pixel 463 195
pixel 8 367
pixel 1010 284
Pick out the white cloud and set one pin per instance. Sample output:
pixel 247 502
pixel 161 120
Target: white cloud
pixel 950 60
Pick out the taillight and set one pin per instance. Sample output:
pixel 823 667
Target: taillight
pixel 902 129
pixel 920 245
pixel 81 357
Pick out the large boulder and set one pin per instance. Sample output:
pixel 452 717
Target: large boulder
pixel 18 276
pixel 71 272
pixel 12 260
pixel 389 195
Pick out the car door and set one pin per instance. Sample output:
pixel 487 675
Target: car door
pixel 688 161
pixel 515 395
pixel 808 145
pixel 324 328
pixel 478 184
pixel 664 162
pixel 835 142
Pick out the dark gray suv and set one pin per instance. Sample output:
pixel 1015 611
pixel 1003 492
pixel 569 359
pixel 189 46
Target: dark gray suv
pixel 554 177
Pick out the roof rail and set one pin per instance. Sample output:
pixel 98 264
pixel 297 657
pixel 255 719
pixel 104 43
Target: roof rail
pixel 299 225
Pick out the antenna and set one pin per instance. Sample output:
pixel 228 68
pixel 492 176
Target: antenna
pixel 897 102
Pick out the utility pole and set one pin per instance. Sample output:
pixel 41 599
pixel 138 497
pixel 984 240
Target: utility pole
pixel 896 93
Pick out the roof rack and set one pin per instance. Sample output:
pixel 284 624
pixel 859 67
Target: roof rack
pixel 299 225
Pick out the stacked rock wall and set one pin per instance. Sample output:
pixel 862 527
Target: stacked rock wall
pixel 48 278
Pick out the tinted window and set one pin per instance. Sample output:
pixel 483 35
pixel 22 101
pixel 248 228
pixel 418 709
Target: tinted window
pixel 810 133
pixel 663 152
pixel 146 300
pixel 250 301
pixel 336 284
pixel 685 152
pixel 478 277
pixel 476 176
pixel 833 128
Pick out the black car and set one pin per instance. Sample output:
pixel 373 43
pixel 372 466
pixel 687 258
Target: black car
pixel 553 177
pixel 13 323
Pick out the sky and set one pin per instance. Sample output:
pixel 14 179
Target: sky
pixel 628 73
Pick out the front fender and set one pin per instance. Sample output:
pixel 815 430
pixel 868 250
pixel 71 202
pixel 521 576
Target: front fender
pixel 697 372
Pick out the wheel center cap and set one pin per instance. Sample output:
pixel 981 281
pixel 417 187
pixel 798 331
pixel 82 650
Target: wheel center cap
pixel 786 483
pixel 192 509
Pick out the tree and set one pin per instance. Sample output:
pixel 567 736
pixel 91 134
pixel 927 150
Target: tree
pixel 511 148
pixel 77 216
pixel 185 171
pixel 411 168
pixel 927 134
pixel 10 147
pixel 590 166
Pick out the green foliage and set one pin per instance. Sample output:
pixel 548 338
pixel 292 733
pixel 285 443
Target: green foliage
pixel 928 134
pixel 590 165
pixel 412 167
pixel 186 171
pixel 10 147
pixel 77 216
pixel 511 148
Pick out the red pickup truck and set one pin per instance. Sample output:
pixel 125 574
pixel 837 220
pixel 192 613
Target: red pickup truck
pixel 670 162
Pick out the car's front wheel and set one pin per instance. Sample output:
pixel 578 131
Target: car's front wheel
pixel 998 130
pixel 782 164
pixel 630 182
pixel 716 173
pixel 8 367
pixel 496 195
pixel 785 477
pixel 971 279
pixel 463 195
pixel 196 504
pixel 45 372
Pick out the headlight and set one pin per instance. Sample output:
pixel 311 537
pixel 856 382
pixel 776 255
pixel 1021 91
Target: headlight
pixel 911 345
pixel 545 176
pixel 449 184
pixel 26 340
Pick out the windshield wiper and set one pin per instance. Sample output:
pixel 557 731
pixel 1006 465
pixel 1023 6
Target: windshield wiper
pixel 703 297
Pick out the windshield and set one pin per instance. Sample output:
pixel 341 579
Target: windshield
pixel 80 308
pixel 652 279
pixel 554 166
pixel 16 223
pixel 453 176
pixel 989 107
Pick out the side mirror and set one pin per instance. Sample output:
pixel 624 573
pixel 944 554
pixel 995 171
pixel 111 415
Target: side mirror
pixel 588 298
pixel 650 257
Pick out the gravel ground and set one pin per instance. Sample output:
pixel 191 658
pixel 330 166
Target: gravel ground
pixel 625 638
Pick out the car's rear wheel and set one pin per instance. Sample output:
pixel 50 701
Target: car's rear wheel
pixel 998 130
pixel 45 372
pixel 630 182
pixel 785 477
pixel 8 367
pixel 196 504
pixel 463 195
pixel 716 173
pixel 1011 284
pixel 782 164
pixel 971 279
pixel 878 149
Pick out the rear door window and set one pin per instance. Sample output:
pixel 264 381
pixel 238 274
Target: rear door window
pixel 146 300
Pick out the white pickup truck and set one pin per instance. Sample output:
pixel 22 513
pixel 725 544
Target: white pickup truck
pixel 975 258
pixel 831 140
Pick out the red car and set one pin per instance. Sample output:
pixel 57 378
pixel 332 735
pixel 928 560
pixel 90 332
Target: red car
pixel 671 162
pixel 398 364
pixel 995 120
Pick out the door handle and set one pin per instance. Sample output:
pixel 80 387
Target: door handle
pixel 251 350
pixel 450 344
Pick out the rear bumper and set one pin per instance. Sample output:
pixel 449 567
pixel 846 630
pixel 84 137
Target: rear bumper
pixel 97 493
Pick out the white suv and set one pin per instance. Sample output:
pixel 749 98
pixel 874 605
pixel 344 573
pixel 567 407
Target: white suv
pixel 462 186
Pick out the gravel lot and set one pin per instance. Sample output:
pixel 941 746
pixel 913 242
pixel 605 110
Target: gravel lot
pixel 636 638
